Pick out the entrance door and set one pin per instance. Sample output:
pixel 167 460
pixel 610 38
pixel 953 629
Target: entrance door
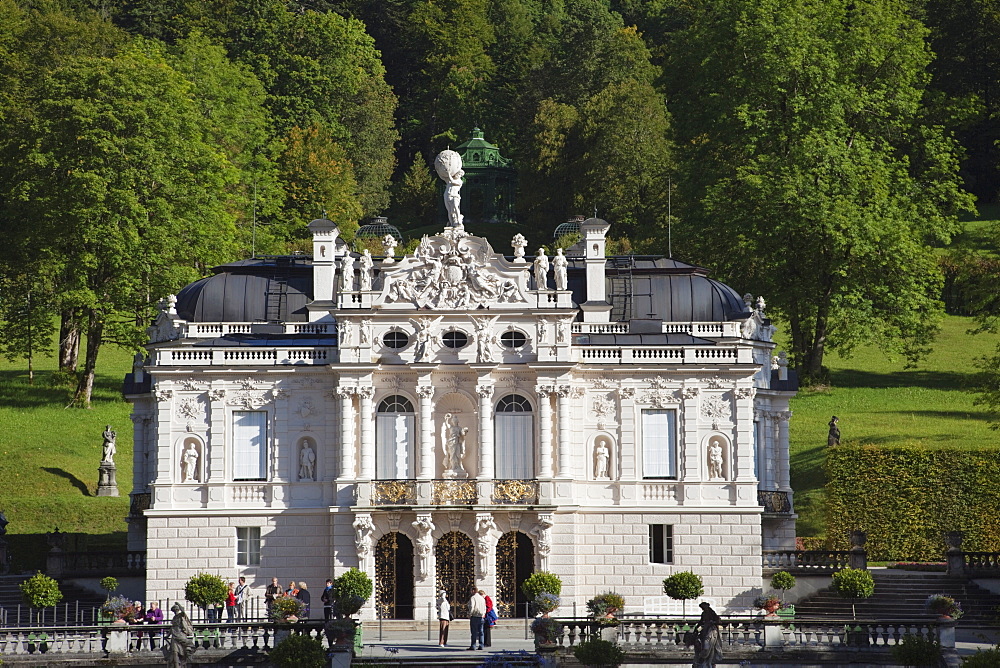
pixel 515 562
pixel 394 576
pixel 456 563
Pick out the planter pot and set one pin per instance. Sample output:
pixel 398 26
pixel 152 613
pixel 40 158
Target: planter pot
pixel 358 641
pixel 786 612
pixel 609 633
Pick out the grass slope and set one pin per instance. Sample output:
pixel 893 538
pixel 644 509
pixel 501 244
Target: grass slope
pixel 878 401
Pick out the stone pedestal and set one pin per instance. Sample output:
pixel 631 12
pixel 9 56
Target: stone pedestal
pixel 106 483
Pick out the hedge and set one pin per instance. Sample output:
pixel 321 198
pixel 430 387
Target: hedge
pixel 906 497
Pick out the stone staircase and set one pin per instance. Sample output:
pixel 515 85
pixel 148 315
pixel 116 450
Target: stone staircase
pixel 77 603
pixel 901 595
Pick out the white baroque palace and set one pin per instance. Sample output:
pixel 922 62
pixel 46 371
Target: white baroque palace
pixel 456 417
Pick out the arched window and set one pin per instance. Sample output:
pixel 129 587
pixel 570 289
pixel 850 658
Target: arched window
pixel 394 439
pixel 514 439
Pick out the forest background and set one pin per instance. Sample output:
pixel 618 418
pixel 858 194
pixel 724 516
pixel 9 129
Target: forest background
pixel 820 153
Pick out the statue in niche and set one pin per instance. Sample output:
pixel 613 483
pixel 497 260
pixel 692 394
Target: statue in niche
pixel 189 463
pixel 109 448
pixel 834 437
pixel 307 461
pixel 367 265
pixel 602 455
pixel 715 459
pixel 541 270
pixel 448 165
pixel 453 443
pixel 347 273
pixel 559 263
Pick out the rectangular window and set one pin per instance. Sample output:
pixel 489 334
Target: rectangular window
pixel 661 544
pixel 659 444
pixel 250 445
pixel 394 446
pixel 248 546
pixel 515 446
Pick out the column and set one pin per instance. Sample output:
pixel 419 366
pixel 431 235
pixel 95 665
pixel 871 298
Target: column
pixel 425 394
pixel 544 430
pixel 782 451
pixel 367 418
pixel 486 459
pixel 346 395
pixel 562 404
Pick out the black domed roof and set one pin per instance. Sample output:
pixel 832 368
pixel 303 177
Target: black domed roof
pixel 269 289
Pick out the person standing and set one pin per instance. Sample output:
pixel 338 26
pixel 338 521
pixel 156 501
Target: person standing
pixel 327 598
pixel 477 610
pixel 272 592
pixel 303 595
pixel 231 604
pixel 242 592
pixel 489 620
pixel 444 618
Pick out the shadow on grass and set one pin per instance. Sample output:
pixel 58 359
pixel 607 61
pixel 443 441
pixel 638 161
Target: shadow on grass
pixel 935 380
pixel 79 484
pixel 15 391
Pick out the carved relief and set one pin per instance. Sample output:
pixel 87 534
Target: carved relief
pixel 691 392
pixel 745 392
pixel 716 407
pixel 542 533
pixel 163 395
pixel 485 530
pixel 305 409
pixel 659 398
pixel 364 531
pixel 604 409
pixel 425 543
pixel 189 411
pixel 217 395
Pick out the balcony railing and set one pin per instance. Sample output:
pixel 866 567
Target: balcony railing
pixel 394 493
pixel 515 492
pixel 454 492
pixel 774 501
pixel 806 561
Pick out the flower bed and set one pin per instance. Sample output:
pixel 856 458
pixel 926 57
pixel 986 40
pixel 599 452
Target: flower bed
pixel 927 566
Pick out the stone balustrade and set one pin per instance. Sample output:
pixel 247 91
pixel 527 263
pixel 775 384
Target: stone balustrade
pixel 973 564
pixel 806 562
pixel 674 354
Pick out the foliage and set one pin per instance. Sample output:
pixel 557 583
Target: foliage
pixel 338 629
pixel 763 602
pixel 109 584
pixel 546 629
pixel 541 581
pixel 683 586
pixel 916 650
pixel 545 602
pixel 605 605
pixel 40 591
pixel 906 497
pixel 782 581
pixel 119 607
pixel 597 652
pixel 415 195
pixel 353 583
pixel 983 658
pixel 942 604
pixel 206 590
pixel 298 651
pixel 284 607
pixel 853 583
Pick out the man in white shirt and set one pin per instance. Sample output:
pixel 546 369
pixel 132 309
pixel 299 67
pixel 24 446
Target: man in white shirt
pixel 242 594
pixel 477 609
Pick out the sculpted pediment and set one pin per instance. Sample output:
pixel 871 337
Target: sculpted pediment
pixel 453 271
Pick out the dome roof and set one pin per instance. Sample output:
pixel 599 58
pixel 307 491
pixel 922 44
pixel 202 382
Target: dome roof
pixel 269 289
pixel 377 229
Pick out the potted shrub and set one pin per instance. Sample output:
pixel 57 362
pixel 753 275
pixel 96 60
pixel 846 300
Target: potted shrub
pixel 547 631
pixel 109 584
pixel 597 652
pixel 683 587
pixel 545 603
pixel 298 651
pixel 604 606
pixel 853 583
pixel 40 591
pixel 783 581
pixel 351 591
pixel 286 609
pixel 541 581
pixel 208 592
pixel 768 604
pixel 943 605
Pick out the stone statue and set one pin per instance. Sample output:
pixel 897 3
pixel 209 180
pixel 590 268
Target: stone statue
pixel 541 270
pixel 423 335
pixel 110 449
pixel 708 639
pixel 834 436
pixel 180 643
pixel 425 543
pixel 559 263
pixel 389 244
pixel 189 470
pixel 307 461
pixel 343 333
pixel 602 454
pixel 519 243
pixel 448 165
pixel 453 443
pixel 367 265
pixel 364 529
pixel 366 331
pixel 714 460
pixel 347 273
pixel 484 339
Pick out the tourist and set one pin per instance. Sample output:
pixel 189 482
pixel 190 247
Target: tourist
pixel 154 616
pixel 271 592
pixel 477 610
pixel 489 620
pixel 292 589
pixel 444 618
pixel 303 595
pixel 327 597
pixel 242 593
pixel 230 604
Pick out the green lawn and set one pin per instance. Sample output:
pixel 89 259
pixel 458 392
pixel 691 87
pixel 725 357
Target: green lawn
pixel 878 401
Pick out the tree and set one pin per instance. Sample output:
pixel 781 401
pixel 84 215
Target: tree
pixel 25 319
pixel 206 590
pixel 40 591
pixel 416 194
pixel 683 586
pixel 117 218
pixel 853 583
pixel 811 174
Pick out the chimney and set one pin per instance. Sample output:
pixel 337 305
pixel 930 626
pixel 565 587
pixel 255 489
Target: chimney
pixel 596 308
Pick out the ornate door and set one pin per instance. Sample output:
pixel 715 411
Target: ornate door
pixel 394 576
pixel 515 562
pixel 456 563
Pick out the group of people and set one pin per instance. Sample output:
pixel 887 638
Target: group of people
pixel 299 591
pixel 482 618
pixel 236 601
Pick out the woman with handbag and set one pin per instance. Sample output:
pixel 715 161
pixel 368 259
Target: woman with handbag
pixel 489 620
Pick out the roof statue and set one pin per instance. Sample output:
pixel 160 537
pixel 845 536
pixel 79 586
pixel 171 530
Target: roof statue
pixel 448 165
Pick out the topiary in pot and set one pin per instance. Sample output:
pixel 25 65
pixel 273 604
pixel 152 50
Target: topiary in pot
pixel 683 587
pixel 539 582
pixel 109 584
pixel 352 589
pixel 782 581
pixel 206 590
pixel 286 609
pixel 40 591
pixel 298 651
pixel 853 583
pixel 604 606
pixel 597 652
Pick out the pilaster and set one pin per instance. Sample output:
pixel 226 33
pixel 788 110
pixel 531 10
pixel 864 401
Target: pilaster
pixel 486 456
pixel 367 417
pixel 425 397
